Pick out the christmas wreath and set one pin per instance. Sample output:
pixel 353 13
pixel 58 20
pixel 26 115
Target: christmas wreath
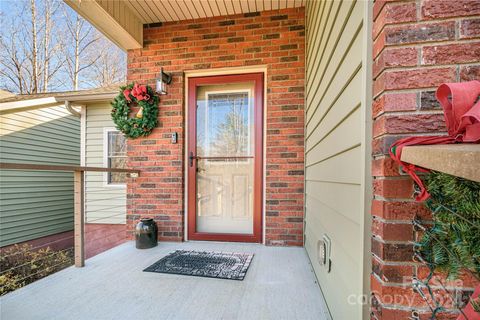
pixel 145 119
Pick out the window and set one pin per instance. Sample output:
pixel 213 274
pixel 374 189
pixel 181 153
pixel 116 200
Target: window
pixel 116 156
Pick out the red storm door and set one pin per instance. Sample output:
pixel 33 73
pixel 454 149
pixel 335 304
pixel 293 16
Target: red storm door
pixel 225 156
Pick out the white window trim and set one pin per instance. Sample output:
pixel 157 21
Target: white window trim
pixel 105 160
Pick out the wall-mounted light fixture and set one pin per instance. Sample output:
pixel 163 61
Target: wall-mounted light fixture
pixel 162 81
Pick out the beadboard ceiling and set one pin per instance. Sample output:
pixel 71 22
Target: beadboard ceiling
pixel 149 11
pixel 122 21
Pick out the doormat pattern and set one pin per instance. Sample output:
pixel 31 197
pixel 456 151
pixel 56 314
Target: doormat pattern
pixel 223 265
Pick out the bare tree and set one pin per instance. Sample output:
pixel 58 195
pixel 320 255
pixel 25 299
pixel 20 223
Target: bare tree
pixel 27 52
pixel 82 36
pixel 109 68
pixel 232 135
pixel 46 46
pixel 12 60
pixel 11 63
pixel 34 54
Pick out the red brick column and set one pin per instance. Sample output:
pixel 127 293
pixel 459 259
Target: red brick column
pixel 417 46
pixel 271 39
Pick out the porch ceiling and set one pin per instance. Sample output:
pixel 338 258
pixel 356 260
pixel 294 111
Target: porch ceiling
pixel 176 10
pixel 122 21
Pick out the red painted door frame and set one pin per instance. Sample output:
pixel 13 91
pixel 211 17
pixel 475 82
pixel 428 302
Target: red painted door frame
pixel 193 83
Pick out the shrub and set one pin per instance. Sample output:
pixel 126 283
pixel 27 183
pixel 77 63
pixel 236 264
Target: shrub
pixel 21 265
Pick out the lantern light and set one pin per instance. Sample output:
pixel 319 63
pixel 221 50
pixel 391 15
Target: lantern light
pixel 162 81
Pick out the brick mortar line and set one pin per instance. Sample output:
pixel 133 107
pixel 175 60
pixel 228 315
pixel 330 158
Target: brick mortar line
pixel 409 90
pixel 421 68
pixel 377 157
pixel 382 157
pixel 416 134
pixel 388 178
pixel 451 288
pixel 403 113
pixel 425 22
pixel 419 44
pixel 395 307
pixel 426 67
pixel 396 263
pixel 418 10
pixel 428 222
pixel 406 113
pixel 405 222
pixel 432 21
pixel 378 197
pixel 410 285
pixel 396 285
pixel 430 134
pixel 416 45
pixel 406 90
pixel 392 241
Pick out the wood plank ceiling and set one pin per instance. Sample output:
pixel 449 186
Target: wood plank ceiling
pixel 149 11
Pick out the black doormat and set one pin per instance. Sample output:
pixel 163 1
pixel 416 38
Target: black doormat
pixel 223 265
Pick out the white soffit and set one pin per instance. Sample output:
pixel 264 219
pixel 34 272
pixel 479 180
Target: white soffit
pixel 148 11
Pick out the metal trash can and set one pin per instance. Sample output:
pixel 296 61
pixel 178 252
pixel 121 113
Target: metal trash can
pixel 146 233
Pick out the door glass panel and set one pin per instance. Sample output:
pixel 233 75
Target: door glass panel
pixel 225 163
pixel 225 120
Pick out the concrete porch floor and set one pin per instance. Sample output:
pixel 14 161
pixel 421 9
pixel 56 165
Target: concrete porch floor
pixel 279 284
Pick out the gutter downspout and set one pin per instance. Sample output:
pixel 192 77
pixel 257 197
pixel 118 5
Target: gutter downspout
pixel 70 109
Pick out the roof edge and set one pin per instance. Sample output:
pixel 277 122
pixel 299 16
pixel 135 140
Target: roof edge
pixel 13 106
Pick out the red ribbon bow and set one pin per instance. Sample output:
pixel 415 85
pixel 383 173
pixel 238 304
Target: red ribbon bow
pixel 462 116
pixel 138 91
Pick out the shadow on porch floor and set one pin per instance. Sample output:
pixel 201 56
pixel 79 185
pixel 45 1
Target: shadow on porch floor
pixel 279 284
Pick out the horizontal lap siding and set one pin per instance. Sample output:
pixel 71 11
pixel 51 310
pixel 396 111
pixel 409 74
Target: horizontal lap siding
pixel 37 203
pixel 103 204
pixel 333 146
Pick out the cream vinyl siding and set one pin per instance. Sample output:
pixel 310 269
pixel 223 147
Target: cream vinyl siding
pixel 103 203
pixel 335 163
pixel 35 204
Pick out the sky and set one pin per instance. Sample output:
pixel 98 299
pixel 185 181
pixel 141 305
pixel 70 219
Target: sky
pixel 15 13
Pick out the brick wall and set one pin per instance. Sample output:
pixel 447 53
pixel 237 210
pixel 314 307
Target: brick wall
pixel 272 38
pixel 417 46
pixel 100 237
pixel 56 242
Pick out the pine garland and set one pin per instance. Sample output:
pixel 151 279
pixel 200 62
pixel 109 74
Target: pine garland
pixel 145 120
pixel 453 243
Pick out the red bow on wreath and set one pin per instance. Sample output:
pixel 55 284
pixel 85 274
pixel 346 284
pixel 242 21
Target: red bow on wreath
pixel 462 117
pixel 138 91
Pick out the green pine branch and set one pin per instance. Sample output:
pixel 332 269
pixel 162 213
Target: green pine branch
pixel 452 244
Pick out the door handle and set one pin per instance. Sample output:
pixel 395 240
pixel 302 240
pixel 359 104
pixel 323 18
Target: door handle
pixel 191 158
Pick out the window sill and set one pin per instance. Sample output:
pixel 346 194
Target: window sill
pixel 114 186
pixel 461 160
